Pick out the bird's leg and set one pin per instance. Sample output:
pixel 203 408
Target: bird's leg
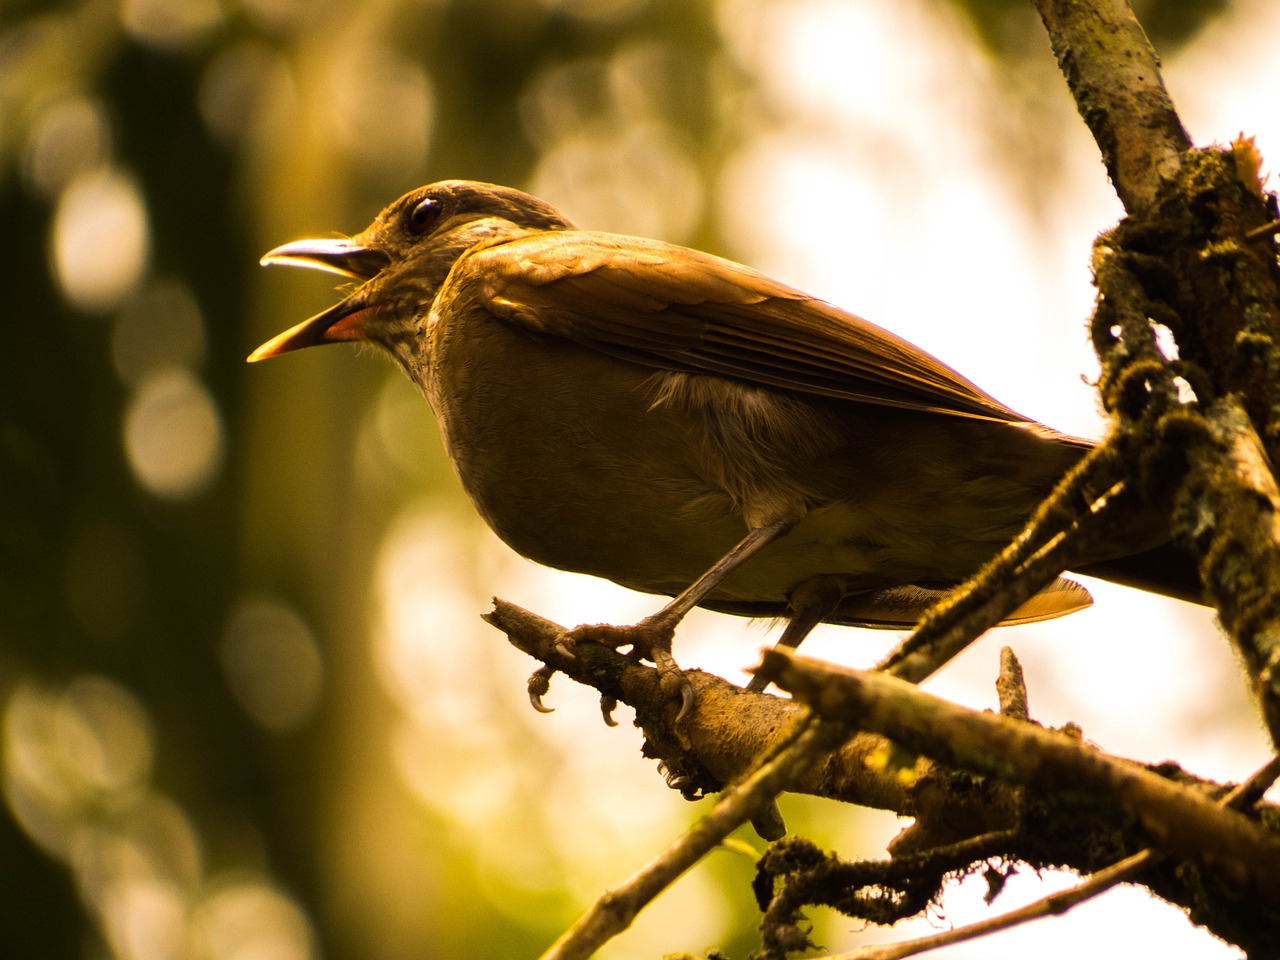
pixel 755 541
pixel 811 601
pixel 651 637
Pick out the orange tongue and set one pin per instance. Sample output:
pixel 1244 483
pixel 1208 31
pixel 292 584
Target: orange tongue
pixel 339 322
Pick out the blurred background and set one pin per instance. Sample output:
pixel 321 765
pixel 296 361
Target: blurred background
pixel 248 710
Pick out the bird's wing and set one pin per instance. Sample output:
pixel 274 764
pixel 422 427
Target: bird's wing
pixel 674 308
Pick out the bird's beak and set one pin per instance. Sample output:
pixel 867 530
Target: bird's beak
pixel 347 257
pixel 339 322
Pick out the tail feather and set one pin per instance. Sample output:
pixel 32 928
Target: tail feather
pixel 900 608
pixel 1167 570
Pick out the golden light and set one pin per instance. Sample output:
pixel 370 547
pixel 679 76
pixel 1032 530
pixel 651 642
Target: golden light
pixel 101 240
pixel 173 435
pixel 72 136
pixel 272 663
pixel 161 326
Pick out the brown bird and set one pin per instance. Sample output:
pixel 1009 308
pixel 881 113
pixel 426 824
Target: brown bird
pixel 684 425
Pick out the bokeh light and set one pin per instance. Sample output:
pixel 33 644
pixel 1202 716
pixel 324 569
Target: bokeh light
pixel 545 781
pixel 100 239
pixel 71 137
pixel 381 106
pixel 73 755
pixel 600 179
pixel 244 919
pixel 169 24
pixel 272 664
pixel 159 327
pixel 173 435
pixel 77 767
pixel 233 88
pixel 609 154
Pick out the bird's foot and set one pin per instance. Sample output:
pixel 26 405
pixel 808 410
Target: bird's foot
pixel 650 639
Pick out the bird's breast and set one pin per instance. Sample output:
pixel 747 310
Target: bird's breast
pixel 560 450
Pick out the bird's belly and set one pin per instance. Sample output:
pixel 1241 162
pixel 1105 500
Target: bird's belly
pixel 558 449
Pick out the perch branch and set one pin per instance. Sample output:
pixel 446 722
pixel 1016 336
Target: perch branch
pixel 724 736
pixel 1180 821
pixel 1232 511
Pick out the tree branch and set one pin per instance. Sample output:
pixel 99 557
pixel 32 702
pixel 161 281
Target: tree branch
pixel 1193 255
pixel 1232 510
pixel 1114 76
pixel 1181 821
pixel 1063 820
pixel 724 737
pixel 1071 518
pixel 1056 904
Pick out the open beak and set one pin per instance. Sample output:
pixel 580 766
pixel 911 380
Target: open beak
pixel 347 257
pixel 344 256
pixel 337 323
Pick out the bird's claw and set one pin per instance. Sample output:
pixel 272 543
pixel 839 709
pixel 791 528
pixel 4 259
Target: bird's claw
pixel 608 704
pixel 673 680
pixel 683 783
pixel 539 684
pixel 650 639
pixel 643 638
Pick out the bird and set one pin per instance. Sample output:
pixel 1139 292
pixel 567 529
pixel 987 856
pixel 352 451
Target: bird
pixel 687 426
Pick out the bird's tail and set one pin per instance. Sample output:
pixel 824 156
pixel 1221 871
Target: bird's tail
pixel 1167 570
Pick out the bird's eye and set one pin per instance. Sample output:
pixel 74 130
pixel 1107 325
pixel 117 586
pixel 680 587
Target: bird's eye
pixel 424 216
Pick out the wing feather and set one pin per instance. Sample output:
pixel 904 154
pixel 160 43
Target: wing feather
pixel 674 308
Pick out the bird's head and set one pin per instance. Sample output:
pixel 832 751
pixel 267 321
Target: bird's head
pixel 402 259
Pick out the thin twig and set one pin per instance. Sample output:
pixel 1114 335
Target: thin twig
pixel 615 910
pixel 1245 795
pixel 1055 904
pixel 1264 231
pixel 1050 540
